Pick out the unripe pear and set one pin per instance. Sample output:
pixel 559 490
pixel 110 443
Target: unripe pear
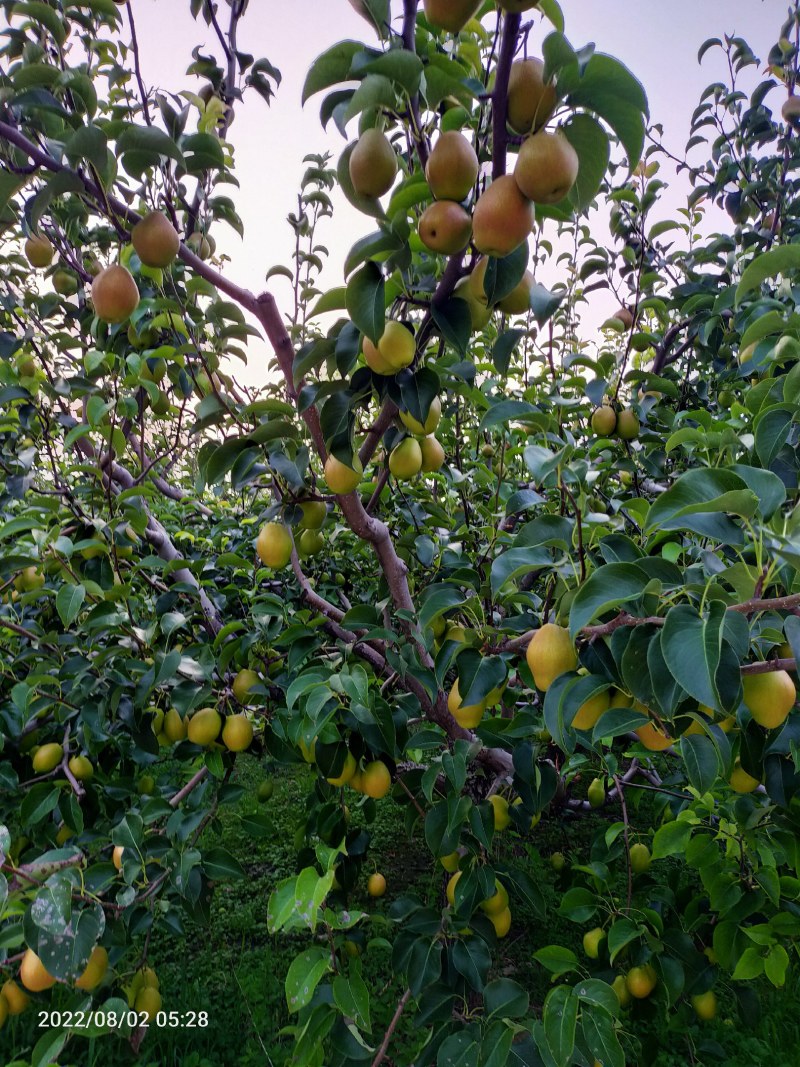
pixel 38 251
pixel 628 425
pixel 452 167
pixel 769 697
pixel 591 942
pixel 531 103
pixel 479 311
pixel 431 420
pixel 64 282
pixel 200 244
pixel 314 514
pixel 342 479
pixel 81 768
pixel 237 733
pixel 114 294
pixel 640 858
pixel 309 543
pixel 28 579
pixel 174 726
pixel 546 168
pixel 156 240
pixel 518 301
pixel 705 1005
pixel 604 420
pixel 274 545
pixel 204 726
pixel 432 454
pixel 445 227
pixel 790 112
pixel 503 218
pixel 450 15
pixel 373 164
pixel 550 653
pixel 596 793
pixel 405 461
pixel 47 758
pixel 620 987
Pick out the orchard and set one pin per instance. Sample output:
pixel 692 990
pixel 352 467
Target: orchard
pixel 460 573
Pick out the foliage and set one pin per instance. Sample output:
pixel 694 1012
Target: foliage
pixel 136 473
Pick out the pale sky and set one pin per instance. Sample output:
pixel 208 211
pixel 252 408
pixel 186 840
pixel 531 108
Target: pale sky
pixel 659 43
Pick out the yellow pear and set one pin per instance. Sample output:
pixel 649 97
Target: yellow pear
pixel 373 164
pixel 174 726
pixel 346 774
pixel 742 782
pixel 237 733
pixel 531 103
pixel 496 903
pixel 95 970
pixel 47 758
pixel 432 454
pixel 38 251
pixel 452 167
pixel 590 711
pixel 117 856
pixel 405 461
pixel 148 1001
pixel 501 922
pixel 628 425
pixel 431 420
pixel 705 1005
pixel 33 974
pixel 445 227
pixel 591 942
pixel 16 999
pixel 376 781
pixel 156 240
pixel 450 889
pixel 518 301
pixel 653 739
pixel 204 726
pixel 503 218
pixel 604 420
pixel 81 768
pixel 274 545
pixel 550 653
pixel 641 981
pixel 114 294
pixel 243 683
pixel 769 697
pixel 450 15
pixel 467 716
pixel 620 987
pixel 546 167
pixel 394 351
pixel 376 885
pixel 502 818
pixel 342 479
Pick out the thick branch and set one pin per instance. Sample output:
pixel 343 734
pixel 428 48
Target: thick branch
pixel 508 46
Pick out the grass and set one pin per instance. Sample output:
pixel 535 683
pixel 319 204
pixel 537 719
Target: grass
pixel 234 968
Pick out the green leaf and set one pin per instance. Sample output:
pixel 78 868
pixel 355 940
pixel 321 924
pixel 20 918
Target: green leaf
pixel 609 89
pixel 560 1020
pixel 69 601
pixel 220 865
pixel 333 300
pixel 472 959
pixel 352 998
pixel 507 411
pixel 399 65
pixel 701 760
pixel 781 260
pixel 750 965
pixel 366 301
pixel 557 959
pixel 590 141
pixel 454 322
pixel 505 999
pixel 330 67
pixel 692 646
pixel 601 1037
pixel 304 975
pixel 698 500
pixel 143 146
pixel 776 964
pixel 504 347
pixel 772 428
pixel 606 588
pixel 670 839
pixel 88 143
pixel 45 15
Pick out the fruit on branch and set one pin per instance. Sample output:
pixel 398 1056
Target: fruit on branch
pixel 621 989
pixel 274 545
pixel 496 903
pixel 81 768
pixel 769 697
pixel 38 251
pixel 790 112
pixel 237 733
pixel 146 785
pixel 479 310
pixel 395 349
pixel 653 739
pixel 153 370
pixel 314 514
pixel 148 1001
pixel 623 315
pixel 740 781
pixel 550 653
pixel 596 793
pixel 546 168
pixel 468 716
pixel 28 579
pixel 589 712
pixel 518 301
pixel 47 757
pixel 640 858
pixel 705 1005
pixel 604 420
pixel 591 942
pixel 242 685
pixel 116 856
pixel 340 478
pixel 376 885
pixel 405 461
pixel 558 861
pixel 114 294
pixel 346 774
pixel 450 889
pixel 26 365
pixel 450 15
pixel 17 1000
pixel 445 227
pixel 450 862
pixel 200 244
pixel 431 419
pixel 204 727
pixel 452 168
pixel 155 240
pixel 432 454
pixel 373 164
pixel 33 974
pixel 531 101
pixel 95 970
pixel 64 282
pixel 174 726
pixel 503 218
pixel 628 425
pixel 265 790
pixel 376 781
pixel 501 922
pixel 641 981
pixel 502 817
pixel 309 543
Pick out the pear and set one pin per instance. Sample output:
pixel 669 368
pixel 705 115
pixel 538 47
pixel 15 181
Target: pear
pixel 33 974
pixel 204 726
pixel 769 697
pixel 431 420
pixel 64 282
pixel 452 167
pixel 174 726
pixel 314 514
pixel 243 683
pixel 373 164
pixel 445 227
pixel 47 758
pixel 479 311
pixel 518 301
pixel 114 294
pixel 237 734
pixel 432 454
pixel 628 425
pixel 405 461
pixel 640 858
pixel 596 793
pixel 309 543
pixel 468 715
pixel 38 251
pixel 95 970
pixel 531 102
pixel 547 167
pixel 790 112
pixel 274 545
pixel 156 240
pixel 503 218
pixel 591 942
pixel 550 654
pixel 450 15
pixel 604 420
pixel 200 245
pixel 342 479
pixel 395 349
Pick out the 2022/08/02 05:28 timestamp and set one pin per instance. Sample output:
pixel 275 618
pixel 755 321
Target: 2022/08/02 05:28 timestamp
pixel 83 1020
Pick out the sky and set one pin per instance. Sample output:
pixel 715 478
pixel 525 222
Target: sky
pixel 659 43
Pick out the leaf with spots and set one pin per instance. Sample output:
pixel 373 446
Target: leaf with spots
pixel 304 976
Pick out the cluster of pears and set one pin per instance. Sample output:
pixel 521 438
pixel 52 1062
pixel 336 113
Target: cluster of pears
pixel 144 993
pixel 495 907
pixel 372 779
pixel 203 728
pixel 607 423
pixel 274 542
pixel 421 452
pixel 34 977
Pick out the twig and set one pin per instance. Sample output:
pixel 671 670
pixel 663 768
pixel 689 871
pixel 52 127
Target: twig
pixel 387 1037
